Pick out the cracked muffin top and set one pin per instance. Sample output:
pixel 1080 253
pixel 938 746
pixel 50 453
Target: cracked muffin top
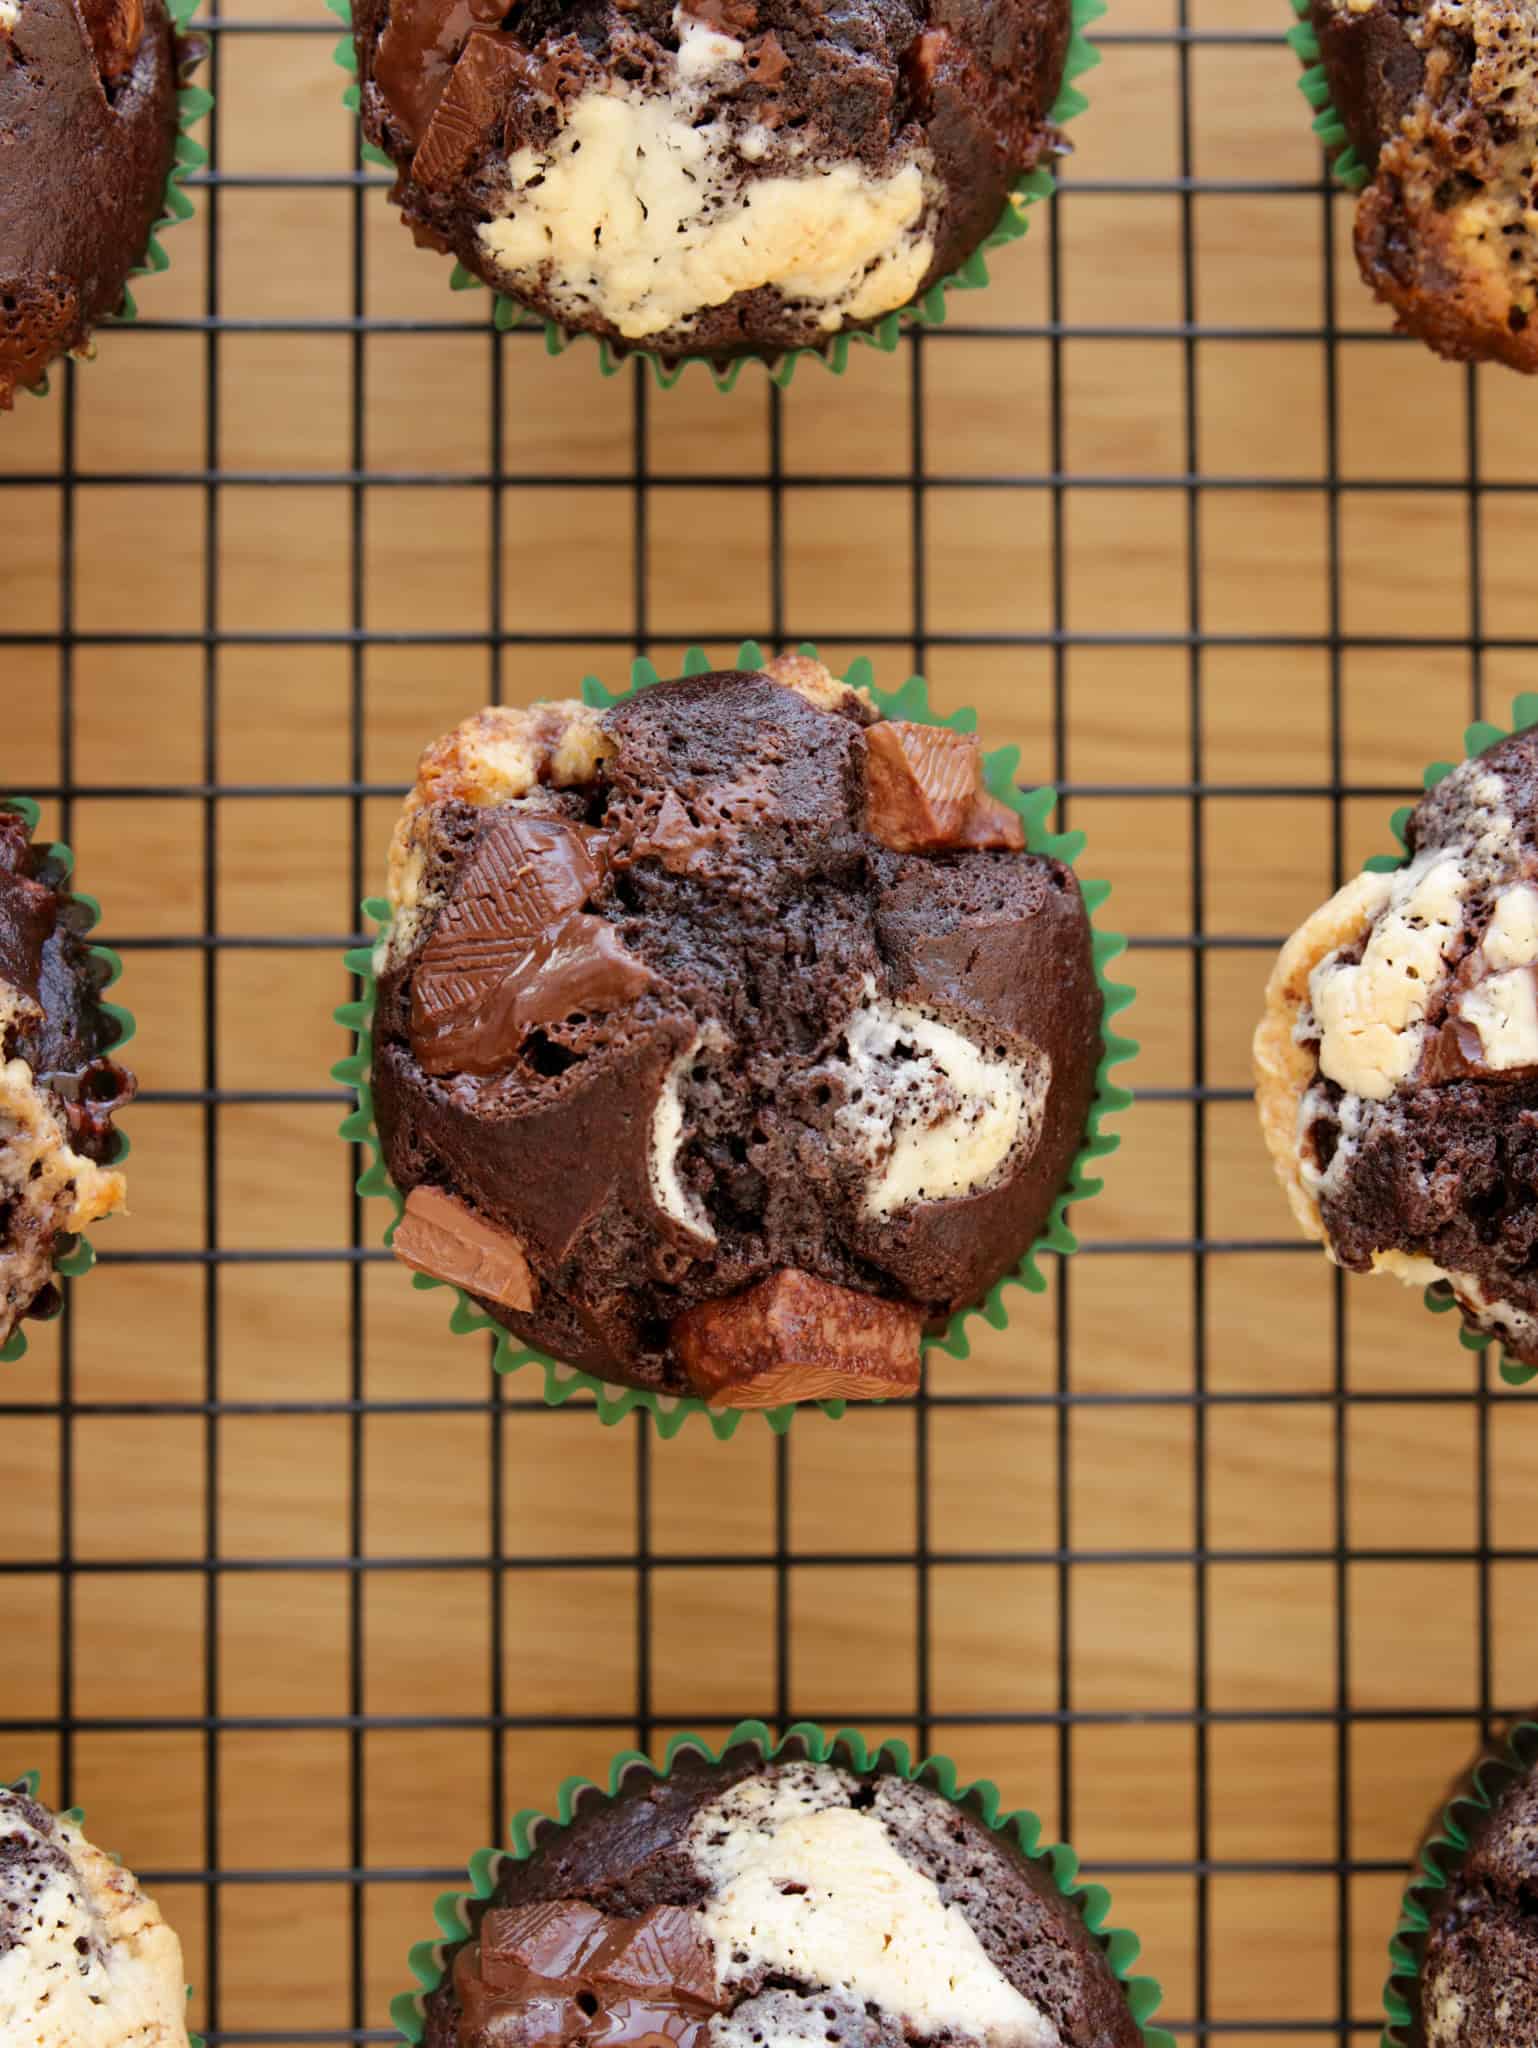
pixel 729 1039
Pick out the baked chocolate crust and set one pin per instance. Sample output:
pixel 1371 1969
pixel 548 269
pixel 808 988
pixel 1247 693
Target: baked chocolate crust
pixel 1478 1981
pixel 972 82
pixel 1443 110
pixel 87 133
pixel 630 1855
pixel 699 1117
pixel 59 1087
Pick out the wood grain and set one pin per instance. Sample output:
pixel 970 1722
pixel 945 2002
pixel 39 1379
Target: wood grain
pixel 1126 1628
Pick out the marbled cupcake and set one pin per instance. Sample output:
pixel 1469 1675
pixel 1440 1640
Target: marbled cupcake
pixel 1440 101
pixel 86 1961
pixel 59 1088
pixel 717 177
pixel 730 1039
pixel 88 115
pixel 1397 1062
pixel 1477 1981
pixel 777 1905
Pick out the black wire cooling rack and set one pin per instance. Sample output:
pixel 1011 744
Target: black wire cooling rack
pixel 1192 497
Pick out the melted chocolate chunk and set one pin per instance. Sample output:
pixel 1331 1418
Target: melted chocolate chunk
pixel 514 951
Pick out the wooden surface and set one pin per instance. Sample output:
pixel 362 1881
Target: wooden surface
pixel 1300 1864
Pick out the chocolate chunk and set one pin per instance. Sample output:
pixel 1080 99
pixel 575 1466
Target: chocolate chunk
pixel 924 791
pixel 472 104
pixel 559 1969
pixel 554 1940
pixel 418 50
pixel 514 950
pixel 443 1236
pixel 794 1337
pixel 661 1953
pixel 643 2023
pixel 673 837
pixel 524 2015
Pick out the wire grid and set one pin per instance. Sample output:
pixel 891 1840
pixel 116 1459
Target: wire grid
pixel 1195 498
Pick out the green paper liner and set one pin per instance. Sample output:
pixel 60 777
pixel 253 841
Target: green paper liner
pixel 1441 1857
pixel 192 103
pixel 804 1741
pixel 32 1780
pixel 1315 88
pixel 926 311
pixel 82 1258
pixel 669 1411
pixel 1476 738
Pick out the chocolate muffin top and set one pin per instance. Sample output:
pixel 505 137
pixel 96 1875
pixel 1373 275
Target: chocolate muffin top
pixel 1440 100
pixel 85 1959
pixel 712 177
pixel 87 132
pixel 728 1039
pixel 1478 1982
pixel 781 1905
pixel 58 1087
pixel 1398 1058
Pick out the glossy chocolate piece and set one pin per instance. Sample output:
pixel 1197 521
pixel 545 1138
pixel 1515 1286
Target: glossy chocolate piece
pixel 442 1236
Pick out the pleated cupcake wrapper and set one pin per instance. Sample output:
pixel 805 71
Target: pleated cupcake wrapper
pixel 32 1780
pixel 192 103
pixel 671 1411
pixel 1476 738
pixel 1442 1856
pixel 82 1258
pixel 927 311
pixel 804 1742
pixel 1315 88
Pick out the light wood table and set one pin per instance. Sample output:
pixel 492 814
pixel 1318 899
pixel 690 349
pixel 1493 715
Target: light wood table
pixel 1223 1613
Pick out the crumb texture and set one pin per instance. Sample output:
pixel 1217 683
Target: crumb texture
pixel 693 1038
pixel 85 1959
pixel 1440 98
pixel 1479 1976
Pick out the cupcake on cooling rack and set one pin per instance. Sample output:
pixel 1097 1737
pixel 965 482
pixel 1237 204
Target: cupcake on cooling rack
pixel 1397 1061
pixel 776 1899
pixel 85 1959
pixel 730 1039
pixel 89 114
pixel 1465 1957
pixel 59 1086
pixel 1439 104
pixel 712 178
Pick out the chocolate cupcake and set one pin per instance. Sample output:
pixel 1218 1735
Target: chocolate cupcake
pixel 1397 1061
pixel 771 1900
pixel 729 1039
pixel 59 1087
pixel 715 178
pixel 85 1959
pixel 1465 1957
pixel 1440 107
pixel 88 137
